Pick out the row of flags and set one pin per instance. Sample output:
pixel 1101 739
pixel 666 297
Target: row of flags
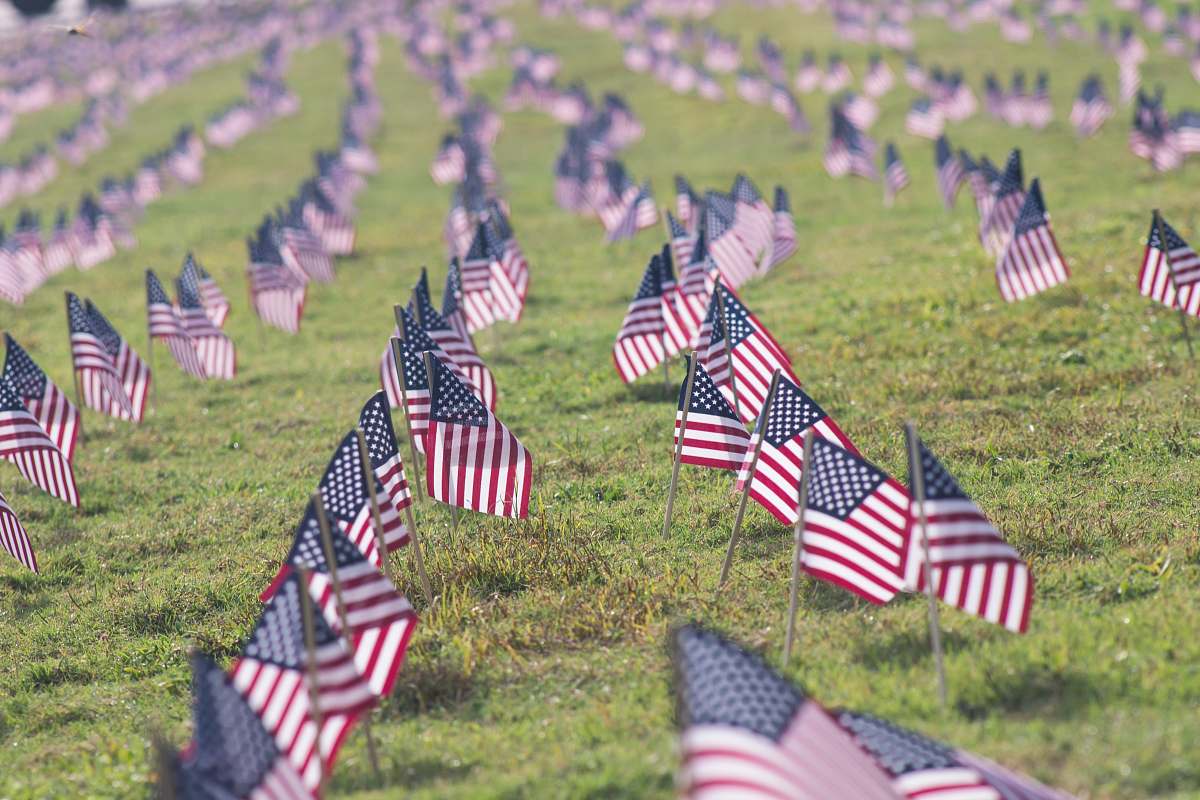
pixel 190 326
pixel 267 99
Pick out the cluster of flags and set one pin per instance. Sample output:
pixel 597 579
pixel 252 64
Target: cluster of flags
pixel 297 244
pixel 190 326
pixel 1019 106
pixel 748 732
pixel 1157 137
pixel 1091 108
pixel 1014 227
pixel 267 99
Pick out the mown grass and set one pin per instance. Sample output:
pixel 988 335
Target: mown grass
pixel 542 670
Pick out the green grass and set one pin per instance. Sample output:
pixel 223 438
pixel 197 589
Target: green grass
pixel 542 671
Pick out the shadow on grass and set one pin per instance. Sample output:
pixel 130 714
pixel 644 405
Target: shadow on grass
pixel 409 774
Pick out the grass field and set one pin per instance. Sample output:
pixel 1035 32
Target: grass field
pixel 542 671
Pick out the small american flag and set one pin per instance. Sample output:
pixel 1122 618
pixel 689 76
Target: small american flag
pixel 855 524
pixel 641 341
pixel 973 568
pixel 745 732
pixel 783 237
pixel 681 241
pixel 451 295
pixel 276 293
pixel 94 364
pixel 1031 262
pixel 512 259
pixel 895 176
pixel 924 119
pixel 687 204
pixel 13 537
pixel 273 675
pixel 754 221
pixel 420 340
pixel 471 459
pixel 48 404
pixel 345 488
pixel 216 305
pixel 922 769
pixel 950 172
pixel 1157 281
pixel 775 481
pixel 215 349
pixel 414 392
pixel 714 436
pixel 731 332
pixel 231 754
pixel 726 248
pixel 460 349
pixel 1008 196
pixel 477 301
pixel 375 419
pixel 24 443
pixel 304 253
pixel 165 325
pixel 879 78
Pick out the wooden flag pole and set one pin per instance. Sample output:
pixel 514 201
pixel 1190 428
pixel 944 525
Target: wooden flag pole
pixel 916 477
pixel 1166 252
pixel 310 663
pixel 794 597
pixel 369 478
pixel 687 402
pixel 737 405
pixel 164 765
pixel 741 512
pixel 318 500
pixel 398 361
pixel 74 372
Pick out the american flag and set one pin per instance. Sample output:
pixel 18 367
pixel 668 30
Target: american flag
pixel 714 436
pixel 724 245
pixel 165 325
pixel 304 254
pixel 879 79
pixel 460 349
pixel 13 537
pixel 95 366
pixel 30 448
pixel 1157 280
pixel 895 176
pixel 783 237
pixel 471 459
pixel 345 488
pixel 681 241
pixel 745 732
pixel 924 119
pixel 449 165
pixel 753 219
pixel 335 230
pixel 775 478
pixel 414 392
pixel 641 342
pixel 1031 262
pixel 198 281
pixel 950 172
pixel 451 295
pixel 231 754
pixel 730 331
pixel 48 404
pixel 274 673
pixel 687 204
pixel 981 177
pixel 685 302
pixel 375 419
pixel 855 524
pixel 636 214
pixel 275 292
pixel 512 259
pixel 1008 197
pixel 215 349
pixel 420 340
pixel 379 619
pixel 477 302
pixel 973 568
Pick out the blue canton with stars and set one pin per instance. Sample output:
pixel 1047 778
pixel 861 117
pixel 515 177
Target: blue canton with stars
pixel 375 419
pixel 155 294
pixel 839 481
pixel 103 330
pixel 279 636
pixel 1033 211
pixel 677 230
pixel 1013 178
pixel 77 316
pixel 1174 240
pixel 451 401
pixel 343 484
pixel 651 285
pixel 897 750
pixel 308 548
pixel 452 289
pixel 939 484
pixel 21 373
pixel 792 413
pixel 744 190
pixel 431 319
pixel 737 319
pixel 782 203
pixel 413 335
pixel 722 684
pixel 706 398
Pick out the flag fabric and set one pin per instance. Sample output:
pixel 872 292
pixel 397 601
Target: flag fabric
pixel 273 675
pixel 231 755
pixel 303 253
pixel 855 524
pixel 216 305
pixel 1157 281
pixel 973 568
pixel 950 172
pixel 740 353
pixel 687 204
pixel 345 489
pixel 471 459
pixel 685 301
pixel 475 273
pixel 459 349
pixel 166 326
pixel 13 537
pixel 512 259
pixel 1031 262
pixel 753 219
pixel 714 436
pixel 922 769
pixel 725 247
pixel 95 365
pixel 379 619
pixel 747 733
pixel 774 482
pixel 419 340
pixel 134 373
pixel 48 404
pixel 895 176
pixel 276 292
pixel 1091 108
pixel 24 443
pixel 641 341
pixel 215 349
pixel 681 241
pixel 414 393
pixel 452 311
pixel 375 419
pixel 1008 197
pixel 783 238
